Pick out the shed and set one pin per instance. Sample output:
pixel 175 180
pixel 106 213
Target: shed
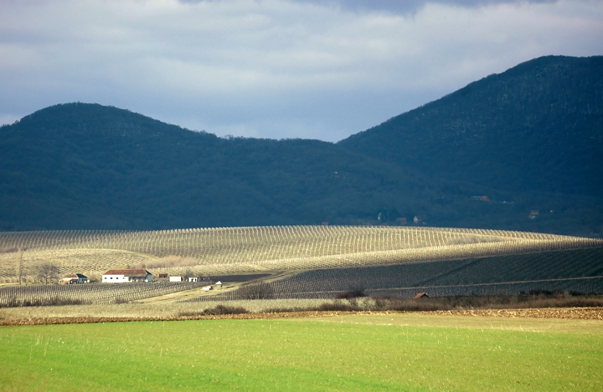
pixel 74 279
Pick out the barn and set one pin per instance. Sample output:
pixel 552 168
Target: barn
pixel 127 275
pixel 74 279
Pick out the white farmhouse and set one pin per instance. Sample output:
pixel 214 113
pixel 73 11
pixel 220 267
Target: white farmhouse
pixel 175 278
pixel 127 275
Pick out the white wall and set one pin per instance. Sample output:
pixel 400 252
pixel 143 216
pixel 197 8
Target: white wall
pixel 115 279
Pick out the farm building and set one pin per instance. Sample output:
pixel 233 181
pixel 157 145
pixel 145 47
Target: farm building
pixel 127 275
pixel 175 278
pixel 74 279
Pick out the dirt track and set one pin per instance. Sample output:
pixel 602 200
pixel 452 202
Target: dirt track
pixel 549 313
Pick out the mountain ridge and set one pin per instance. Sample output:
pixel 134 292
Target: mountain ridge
pixel 534 112
pixel 87 166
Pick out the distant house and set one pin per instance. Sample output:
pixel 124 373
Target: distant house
pixel 175 278
pixel 481 198
pixel 127 275
pixel 74 279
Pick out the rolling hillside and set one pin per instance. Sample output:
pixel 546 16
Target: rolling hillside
pixel 322 260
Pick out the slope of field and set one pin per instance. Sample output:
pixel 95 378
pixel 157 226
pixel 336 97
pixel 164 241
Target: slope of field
pixel 90 293
pixel 270 249
pixel 577 270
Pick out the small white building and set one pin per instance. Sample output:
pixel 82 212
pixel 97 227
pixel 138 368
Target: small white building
pixel 175 278
pixel 127 275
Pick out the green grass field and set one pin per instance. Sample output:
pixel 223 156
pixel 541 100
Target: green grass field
pixel 348 353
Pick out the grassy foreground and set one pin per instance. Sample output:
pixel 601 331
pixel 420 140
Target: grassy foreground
pixel 392 352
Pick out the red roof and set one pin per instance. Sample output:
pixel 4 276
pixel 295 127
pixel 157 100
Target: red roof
pixel 129 272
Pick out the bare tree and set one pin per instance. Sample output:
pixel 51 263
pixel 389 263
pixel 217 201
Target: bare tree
pixel 188 274
pixel 47 272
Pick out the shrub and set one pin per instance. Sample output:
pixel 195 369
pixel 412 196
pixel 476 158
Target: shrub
pixel 261 290
pixel 354 293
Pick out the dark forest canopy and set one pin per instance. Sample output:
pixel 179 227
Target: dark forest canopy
pixel 537 126
pixel 530 139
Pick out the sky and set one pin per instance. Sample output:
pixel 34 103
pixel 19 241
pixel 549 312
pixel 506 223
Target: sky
pixel 274 68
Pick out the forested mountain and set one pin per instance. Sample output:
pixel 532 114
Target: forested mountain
pixel 89 166
pixel 535 127
pixel 528 139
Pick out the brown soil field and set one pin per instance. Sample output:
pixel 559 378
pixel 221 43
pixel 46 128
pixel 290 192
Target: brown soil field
pixel 546 313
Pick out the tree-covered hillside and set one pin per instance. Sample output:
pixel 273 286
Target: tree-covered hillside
pixel 88 166
pixel 486 156
pixel 536 127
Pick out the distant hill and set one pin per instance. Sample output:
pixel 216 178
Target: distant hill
pixel 536 127
pixel 320 261
pixel 86 166
pixel 487 156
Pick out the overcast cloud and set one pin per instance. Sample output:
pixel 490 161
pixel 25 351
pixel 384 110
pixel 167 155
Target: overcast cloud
pixel 274 68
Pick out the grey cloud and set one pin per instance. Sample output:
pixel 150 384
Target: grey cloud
pixel 271 68
pixel 409 6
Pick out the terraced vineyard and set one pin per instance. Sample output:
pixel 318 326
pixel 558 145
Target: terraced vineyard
pixel 242 250
pixel 577 270
pixel 330 259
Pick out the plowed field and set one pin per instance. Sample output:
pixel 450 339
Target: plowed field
pixel 548 313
